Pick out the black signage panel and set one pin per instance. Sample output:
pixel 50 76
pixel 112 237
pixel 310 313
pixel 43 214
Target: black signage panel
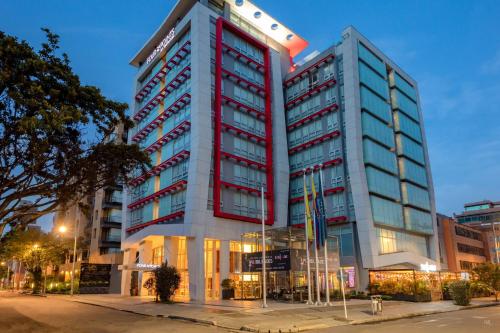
pixel 276 260
pixel 94 278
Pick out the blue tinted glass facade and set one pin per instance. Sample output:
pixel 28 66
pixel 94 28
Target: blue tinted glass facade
pixel 375 104
pixel 386 212
pixel 382 183
pixel 372 60
pixel 410 148
pixel 374 81
pixel 415 196
pixel 418 221
pixel 377 130
pixel 379 156
pixel 409 127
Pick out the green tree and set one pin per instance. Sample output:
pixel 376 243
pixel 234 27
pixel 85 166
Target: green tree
pixel 52 131
pixel 167 280
pixel 489 274
pixel 35 250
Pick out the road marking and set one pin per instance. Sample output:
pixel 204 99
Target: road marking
pixel 442 325
pixel 479 317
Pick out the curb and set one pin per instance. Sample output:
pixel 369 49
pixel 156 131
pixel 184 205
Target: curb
pixel 299 328
pixel 419 314
pixel 173 317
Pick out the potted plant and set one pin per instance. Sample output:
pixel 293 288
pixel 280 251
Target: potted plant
pixel 227 289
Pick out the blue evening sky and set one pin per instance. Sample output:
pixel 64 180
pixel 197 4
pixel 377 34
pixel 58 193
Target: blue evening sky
pixel 452 48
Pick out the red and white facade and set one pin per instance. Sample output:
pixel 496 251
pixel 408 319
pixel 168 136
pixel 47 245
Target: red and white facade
pixel 209 110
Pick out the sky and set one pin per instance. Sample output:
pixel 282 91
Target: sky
pixel 450 47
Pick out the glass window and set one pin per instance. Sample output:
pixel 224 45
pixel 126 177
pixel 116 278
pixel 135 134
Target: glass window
pixel 379 156
pixel 372 80
pixel 413 172
pixel 419 221
pixel 345 237
pixel 371 59
pixel 403 85
pixel 382 183
pixel 157 255
pixel 407 126
pixel 415 196
pixel 410 148
pixel 403 103
pixel 386 212
pixel 391 241
pixel 375 104
pixel 377 130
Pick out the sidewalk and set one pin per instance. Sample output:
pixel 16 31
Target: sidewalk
pixel 278 317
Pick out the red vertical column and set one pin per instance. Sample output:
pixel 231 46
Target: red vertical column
pixel 217 115
pixel 220 26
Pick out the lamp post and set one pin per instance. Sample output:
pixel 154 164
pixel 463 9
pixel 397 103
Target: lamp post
pixel 63 229
pixel 341 278
pixel 264 285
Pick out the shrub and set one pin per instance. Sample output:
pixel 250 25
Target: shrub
pixel 227 284
pixel 460 292
pixel 488 274
pixel 167 281
pixel 480 289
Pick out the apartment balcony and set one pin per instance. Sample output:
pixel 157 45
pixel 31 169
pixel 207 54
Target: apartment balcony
pixel 111 222
pixel 111 202
pixel 110 241
pixel 303 72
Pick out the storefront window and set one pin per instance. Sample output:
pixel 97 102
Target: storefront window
pixel 157 255
pixel 182 267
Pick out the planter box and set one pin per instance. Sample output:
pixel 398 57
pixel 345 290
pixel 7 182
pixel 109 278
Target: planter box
pixel 227 293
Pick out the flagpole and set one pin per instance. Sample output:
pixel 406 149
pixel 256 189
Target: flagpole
pixel 308 259
pixel 264 287
pixel 318 296
pixel 318 300
pixel 325 246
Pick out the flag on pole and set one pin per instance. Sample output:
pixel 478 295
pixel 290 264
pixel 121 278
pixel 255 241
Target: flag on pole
pixel 307 212
pixel 319 213
pixel 320 204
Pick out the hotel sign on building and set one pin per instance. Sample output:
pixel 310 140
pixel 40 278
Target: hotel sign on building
pixel 163 44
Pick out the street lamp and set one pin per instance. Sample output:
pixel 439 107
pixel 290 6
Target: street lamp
pixel 63 229
pixel 341 276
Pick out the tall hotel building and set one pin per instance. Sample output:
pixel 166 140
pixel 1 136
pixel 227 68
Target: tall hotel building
pixel 223 111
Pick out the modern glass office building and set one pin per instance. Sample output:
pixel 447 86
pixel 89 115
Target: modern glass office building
pixel 224 111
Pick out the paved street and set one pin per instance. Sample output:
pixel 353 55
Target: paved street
pixel 23 314
pixel 467 321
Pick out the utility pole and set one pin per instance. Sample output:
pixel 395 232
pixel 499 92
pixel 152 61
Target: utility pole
pixel 74 258
pixel 264 284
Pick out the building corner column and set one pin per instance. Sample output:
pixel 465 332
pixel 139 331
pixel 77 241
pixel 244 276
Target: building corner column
pixel 196 269
pixel 224 262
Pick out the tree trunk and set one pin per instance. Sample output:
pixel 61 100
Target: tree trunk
pixel 37 279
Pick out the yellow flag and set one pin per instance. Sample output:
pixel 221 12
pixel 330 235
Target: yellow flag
pixel 308 213
pixel 313 189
